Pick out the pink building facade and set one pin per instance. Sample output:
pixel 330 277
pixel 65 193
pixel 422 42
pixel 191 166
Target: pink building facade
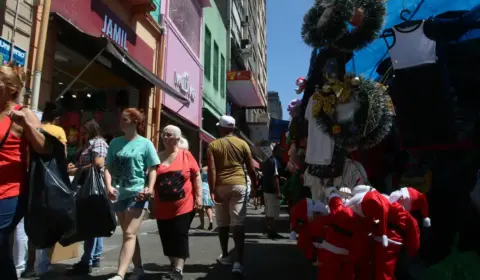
pixel 183 20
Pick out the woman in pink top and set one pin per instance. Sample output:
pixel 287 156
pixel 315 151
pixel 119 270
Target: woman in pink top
pixel 18 129
pixel 178 192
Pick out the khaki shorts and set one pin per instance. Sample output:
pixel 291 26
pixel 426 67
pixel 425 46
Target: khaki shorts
pixel 272 205
pixel 232 209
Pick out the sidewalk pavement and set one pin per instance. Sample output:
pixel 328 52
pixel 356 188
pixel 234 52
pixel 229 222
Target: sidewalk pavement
pixel 264 258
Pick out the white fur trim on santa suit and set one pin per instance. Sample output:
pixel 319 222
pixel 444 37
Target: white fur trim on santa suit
pixel 427 222
pixel 293 235
pixel 361 189
pixel 309 207
pixel 406 202
pixel 395 196
pixel 319 207
pixel 355 203
pixel 385 240
pixel 331 248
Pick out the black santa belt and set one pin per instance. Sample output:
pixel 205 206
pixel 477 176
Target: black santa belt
pixel 341 230
pixel 397 229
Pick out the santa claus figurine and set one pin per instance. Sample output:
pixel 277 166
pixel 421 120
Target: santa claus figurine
pixel 413 201
pixel 302 214
pixel 301 84
pixel 335 252
pixel 402 232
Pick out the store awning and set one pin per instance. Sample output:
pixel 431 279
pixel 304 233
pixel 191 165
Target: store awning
pixel 121 62
pixel 205 136
pixel 243 90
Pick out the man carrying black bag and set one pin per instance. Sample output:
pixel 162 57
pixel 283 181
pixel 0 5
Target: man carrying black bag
pixel 94 216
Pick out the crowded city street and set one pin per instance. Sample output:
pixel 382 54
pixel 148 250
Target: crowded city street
pixel 153 139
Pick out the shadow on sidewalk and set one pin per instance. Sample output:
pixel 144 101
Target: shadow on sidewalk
pixel 267 261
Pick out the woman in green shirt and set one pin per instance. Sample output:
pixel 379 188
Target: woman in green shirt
pixel 130 176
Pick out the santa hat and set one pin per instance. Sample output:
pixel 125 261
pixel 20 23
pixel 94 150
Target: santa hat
pixel 374 205
pixel 414 200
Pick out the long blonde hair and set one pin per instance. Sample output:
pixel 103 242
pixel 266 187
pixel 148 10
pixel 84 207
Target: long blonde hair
pixel 12 78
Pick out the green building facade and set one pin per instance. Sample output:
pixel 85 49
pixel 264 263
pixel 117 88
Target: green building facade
pixel 214 61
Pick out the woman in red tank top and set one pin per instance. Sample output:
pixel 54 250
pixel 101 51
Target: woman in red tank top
pixel 18 129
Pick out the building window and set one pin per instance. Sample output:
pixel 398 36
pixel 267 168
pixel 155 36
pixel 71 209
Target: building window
pixel 215 65
pixel 186 15
pixel 207 60
pixel 223 77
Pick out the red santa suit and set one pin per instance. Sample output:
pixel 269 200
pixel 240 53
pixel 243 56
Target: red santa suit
pixel 335 252
pixel 301 216
pixel 402 231
pixel 373 207
pixel 413 201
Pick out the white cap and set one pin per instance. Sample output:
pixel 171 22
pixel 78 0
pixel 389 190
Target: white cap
pixel 226 121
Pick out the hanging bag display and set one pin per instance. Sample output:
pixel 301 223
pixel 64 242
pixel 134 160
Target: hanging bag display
pixel 94 212
pixel 51 197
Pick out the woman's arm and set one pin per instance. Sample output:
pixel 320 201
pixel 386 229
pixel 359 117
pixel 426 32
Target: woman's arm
pixel 30 124
pixel 152 177
pixel 108 178
pixel 197 184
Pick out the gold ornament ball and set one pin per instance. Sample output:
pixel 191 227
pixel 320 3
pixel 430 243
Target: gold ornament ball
pixel 355 81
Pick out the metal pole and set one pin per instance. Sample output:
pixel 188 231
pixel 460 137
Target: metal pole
pixel 80 74
pixel 14 31
pixel 42 40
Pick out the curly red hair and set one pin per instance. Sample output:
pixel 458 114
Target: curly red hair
pixel 137 117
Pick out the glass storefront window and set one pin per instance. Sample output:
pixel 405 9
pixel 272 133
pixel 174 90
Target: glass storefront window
pixel 186 15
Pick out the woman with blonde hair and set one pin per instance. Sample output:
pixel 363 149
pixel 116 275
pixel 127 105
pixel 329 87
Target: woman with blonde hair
pixel 19 128
pixel 178 191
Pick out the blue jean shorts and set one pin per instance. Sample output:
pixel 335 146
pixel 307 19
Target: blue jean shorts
pixel 129 203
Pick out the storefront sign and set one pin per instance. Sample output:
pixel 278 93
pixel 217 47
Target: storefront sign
pixel 239 75
pixel 183 84
pixel 114 32
pixel 19 55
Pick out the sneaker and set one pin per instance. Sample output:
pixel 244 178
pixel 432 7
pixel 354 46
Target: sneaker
pixel 116 277
pixel 137 274
pixel 238 269
pixel 176 275
pixel 225 260
pixel 96 263
pixel 80 268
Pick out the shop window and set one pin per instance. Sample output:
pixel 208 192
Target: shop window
pixel 223 77
pixel 186 15
pixel 215 65
pixel 207 60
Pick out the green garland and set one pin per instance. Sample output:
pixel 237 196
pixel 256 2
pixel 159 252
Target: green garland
pixel 332 30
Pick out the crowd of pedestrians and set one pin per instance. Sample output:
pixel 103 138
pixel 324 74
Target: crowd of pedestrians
pixel 135 175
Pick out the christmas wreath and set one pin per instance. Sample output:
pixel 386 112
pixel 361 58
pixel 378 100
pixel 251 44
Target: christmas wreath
pixel 356 112
pixel 326 23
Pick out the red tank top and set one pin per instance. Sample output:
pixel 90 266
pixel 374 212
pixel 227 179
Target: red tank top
pixel 13 159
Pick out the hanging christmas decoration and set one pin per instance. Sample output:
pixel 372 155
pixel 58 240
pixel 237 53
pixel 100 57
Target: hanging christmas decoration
pixel 347 25
pixel 356 112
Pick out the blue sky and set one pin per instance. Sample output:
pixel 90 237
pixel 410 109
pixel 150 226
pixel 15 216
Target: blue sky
pixel 287 56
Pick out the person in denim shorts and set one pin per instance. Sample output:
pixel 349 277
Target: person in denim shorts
pixel 130 176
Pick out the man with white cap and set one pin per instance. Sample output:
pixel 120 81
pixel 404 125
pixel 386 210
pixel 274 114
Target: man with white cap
pixel 228 188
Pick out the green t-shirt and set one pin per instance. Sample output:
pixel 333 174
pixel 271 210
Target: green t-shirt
pixel 128 161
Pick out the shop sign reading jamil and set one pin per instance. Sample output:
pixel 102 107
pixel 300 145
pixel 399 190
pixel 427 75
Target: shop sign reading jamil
pixel 182 82
pixel 115 32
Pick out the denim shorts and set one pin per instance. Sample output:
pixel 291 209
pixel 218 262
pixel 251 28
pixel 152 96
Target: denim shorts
pixel 129 203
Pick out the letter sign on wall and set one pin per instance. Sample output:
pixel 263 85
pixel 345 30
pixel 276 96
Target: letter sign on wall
pixel 183 84
pixel 114 32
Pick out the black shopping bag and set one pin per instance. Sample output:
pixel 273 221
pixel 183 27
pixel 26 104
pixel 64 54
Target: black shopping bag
pixel 94 213
pixel 50 203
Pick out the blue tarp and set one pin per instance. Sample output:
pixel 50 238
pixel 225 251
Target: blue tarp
pixel 277 129
pixel 367 60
